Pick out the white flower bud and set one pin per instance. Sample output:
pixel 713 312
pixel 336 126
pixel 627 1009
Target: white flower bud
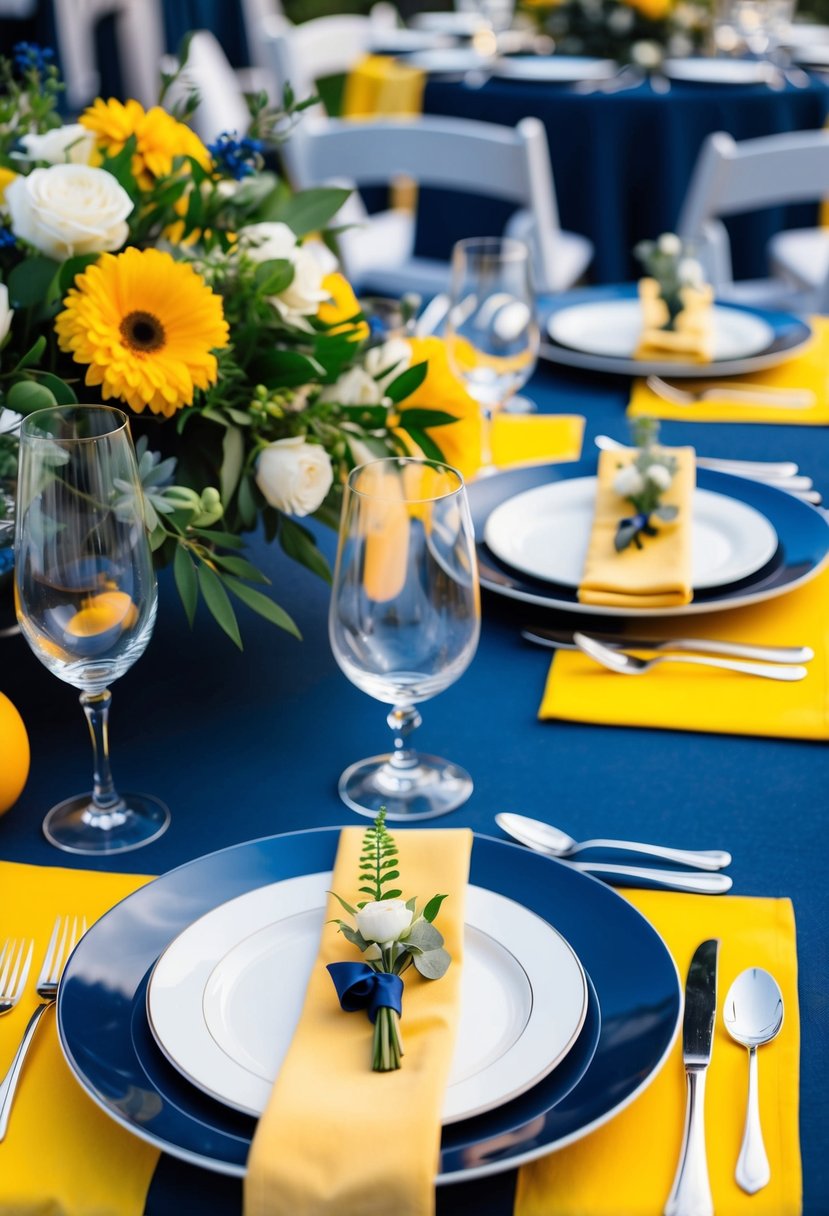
pixel 659 475
pixel 669 244
pixel 628 481
pixel 384 920
pixel 690 272
pixel 6 313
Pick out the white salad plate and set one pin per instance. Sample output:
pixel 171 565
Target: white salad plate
pixel 545 533
pixel 612 328
pixel 554 69
pixel 719 71
pixel 226 995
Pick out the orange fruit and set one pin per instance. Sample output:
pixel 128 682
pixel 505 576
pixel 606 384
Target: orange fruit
pixel 14 754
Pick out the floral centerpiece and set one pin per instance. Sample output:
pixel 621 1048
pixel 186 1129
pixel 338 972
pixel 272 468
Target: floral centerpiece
pixel 637 32
pixel 179 282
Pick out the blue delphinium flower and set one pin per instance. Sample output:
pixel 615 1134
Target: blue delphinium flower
pixel 29 57
pixel 7 238
pixel 237 158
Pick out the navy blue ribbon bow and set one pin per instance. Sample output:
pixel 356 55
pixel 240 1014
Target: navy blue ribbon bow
pixel 361 987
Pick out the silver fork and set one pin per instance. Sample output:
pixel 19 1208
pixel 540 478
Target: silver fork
pixel 747 394
pixel 64 938
pixel 15 961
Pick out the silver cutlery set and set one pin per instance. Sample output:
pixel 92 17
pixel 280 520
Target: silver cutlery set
pixel 752 1015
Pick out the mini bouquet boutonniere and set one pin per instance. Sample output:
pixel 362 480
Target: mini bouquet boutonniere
pixel 642 483
pixel 678 275
pixel 392 936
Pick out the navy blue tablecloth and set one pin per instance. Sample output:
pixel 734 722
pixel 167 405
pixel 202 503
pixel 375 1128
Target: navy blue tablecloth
pixel 622 161
pixel 242 745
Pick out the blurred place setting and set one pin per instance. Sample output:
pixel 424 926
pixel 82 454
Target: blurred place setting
pixel 414 417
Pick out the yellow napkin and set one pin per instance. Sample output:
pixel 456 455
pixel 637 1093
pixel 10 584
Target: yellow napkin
pixel 62 1155
pixel 336 1137
pixel 381 85
pixel 809 369
pixel 535 438
pixel 681 697
pixel 626 1168
pixel 659 574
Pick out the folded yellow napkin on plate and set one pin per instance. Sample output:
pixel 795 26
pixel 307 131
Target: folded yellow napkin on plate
pixel 336 1137
pixel 659 574
pixel 62 1155
pixel 381 85
pixel 808 369
pixel 626 1168
pixel 680 697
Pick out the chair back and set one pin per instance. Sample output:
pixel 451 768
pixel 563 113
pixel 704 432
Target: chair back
pixel 139 40
pixel 222 105
pixel 508 163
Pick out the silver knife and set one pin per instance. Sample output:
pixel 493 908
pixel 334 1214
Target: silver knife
pixel 691 1191
pixel 555 639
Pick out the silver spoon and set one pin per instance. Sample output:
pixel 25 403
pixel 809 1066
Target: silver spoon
pixel 630 665
pixel 753 1015
pixel 545 838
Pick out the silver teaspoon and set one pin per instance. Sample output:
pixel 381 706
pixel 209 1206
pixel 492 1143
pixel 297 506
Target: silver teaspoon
pixel 548 839
pixel 753 1015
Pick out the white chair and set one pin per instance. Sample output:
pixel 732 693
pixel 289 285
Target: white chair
pixel 140 41
pixel 222 106
pixel 801 256
pixel 510 163
pixel 732 178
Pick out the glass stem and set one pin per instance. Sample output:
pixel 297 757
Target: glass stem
pixel 402 720
pixel 486 437
pixel 105 797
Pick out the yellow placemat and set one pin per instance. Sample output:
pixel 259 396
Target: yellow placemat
pixel 810 369
pixel 62 1155
pixel 681 697
pixel 336 1138
pixel 626 1168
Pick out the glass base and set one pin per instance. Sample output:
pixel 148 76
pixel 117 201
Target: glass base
pixel 76 826
pixel 520 405
pixel 428 788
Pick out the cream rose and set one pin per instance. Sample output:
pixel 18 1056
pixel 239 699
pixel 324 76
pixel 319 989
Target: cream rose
pixel 69 209
pixel 354 387
pixel 383 920
pixel 6 313
pixel 294 476
pixel 302 297
pixel 71 143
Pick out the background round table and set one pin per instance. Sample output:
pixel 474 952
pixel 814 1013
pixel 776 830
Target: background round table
pixel 622 161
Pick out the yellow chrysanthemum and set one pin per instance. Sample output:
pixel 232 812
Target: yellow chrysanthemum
pixel 460 442
pixel 147 326
pixel 159 137
pixel 341 307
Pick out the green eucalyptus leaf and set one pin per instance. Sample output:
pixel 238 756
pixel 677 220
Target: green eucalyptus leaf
pixel 432 964
pixel 425 935
pixel 262 605
pixel 63 393
pixel 33 282
pixel 307 210
pixel 218 602
pixel 187 582
pixel 26 396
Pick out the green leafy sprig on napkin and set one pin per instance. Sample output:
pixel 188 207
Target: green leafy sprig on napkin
pixel 392 936
pixel 642 483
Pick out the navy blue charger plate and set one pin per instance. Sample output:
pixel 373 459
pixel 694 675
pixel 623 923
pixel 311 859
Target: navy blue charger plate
pixel 802 542
pixel 104 1034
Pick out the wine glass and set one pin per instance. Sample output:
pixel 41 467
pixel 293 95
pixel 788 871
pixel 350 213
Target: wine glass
pixel 404 621
pixel 85 595
pixel 491 334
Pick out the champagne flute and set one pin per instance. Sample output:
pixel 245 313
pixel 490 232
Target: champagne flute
pixel 85 595
pixel 492 333
pixel 404 621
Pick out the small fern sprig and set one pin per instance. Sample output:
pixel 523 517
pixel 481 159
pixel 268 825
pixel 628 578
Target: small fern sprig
pixel 378 861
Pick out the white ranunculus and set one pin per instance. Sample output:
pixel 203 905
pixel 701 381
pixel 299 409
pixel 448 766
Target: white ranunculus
pixel 690 272
pixel 384 920
pixel 6 313
pixel 302 297
pixel 669 244
pixel 293 475
pixel 69 209
pixel 354 387
pixel 72 143
pixel 384 363
pixel 628 481
pixel 659 475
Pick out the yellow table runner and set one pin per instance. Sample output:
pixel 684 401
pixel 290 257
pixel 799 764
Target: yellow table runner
pixel 810 369
pixel 380 85
pixel 626 1168
pixel 337 1138
pixel 680 697
pixel 62 1155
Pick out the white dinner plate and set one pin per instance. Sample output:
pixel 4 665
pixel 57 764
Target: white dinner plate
pixel 554 69
pixel 403 42
pixel 226 995
pixel 719 71
pixel 612 328
pixel 545 532
pixel 453 61
pixel 812 56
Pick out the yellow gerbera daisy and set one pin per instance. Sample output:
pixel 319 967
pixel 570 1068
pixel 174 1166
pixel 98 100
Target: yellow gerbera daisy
pixel 159 137
pixel 341 307
pixel 146 325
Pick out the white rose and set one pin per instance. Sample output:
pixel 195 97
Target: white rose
pixel 302 297
pixel 384 363
pixel 71 143
pixel 690 272
pixel 294 476
pixel 69 209
pixel 628 481
pixel 384 920
pixel 669 244
pixel 6 313
pixel 354 387
pixel 659 475
pixel 647 54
